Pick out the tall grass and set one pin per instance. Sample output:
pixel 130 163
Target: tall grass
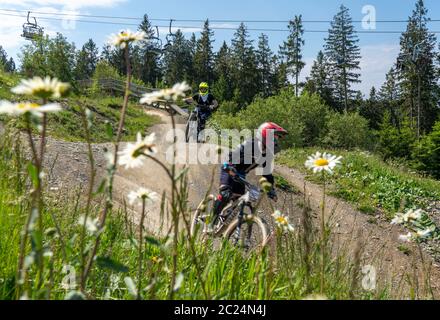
pixel 289 269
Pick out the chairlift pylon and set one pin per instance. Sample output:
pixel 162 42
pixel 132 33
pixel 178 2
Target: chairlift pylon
pixel 32 31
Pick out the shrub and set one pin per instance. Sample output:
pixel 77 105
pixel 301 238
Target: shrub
pixel 348 131
pixel 395 142
pixel 426 153
pixel 281 109
pixel 312 113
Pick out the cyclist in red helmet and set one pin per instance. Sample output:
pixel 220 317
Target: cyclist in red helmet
pixel 256 152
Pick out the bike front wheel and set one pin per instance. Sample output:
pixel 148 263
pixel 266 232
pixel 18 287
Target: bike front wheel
pixel 201 221
pixel 250 235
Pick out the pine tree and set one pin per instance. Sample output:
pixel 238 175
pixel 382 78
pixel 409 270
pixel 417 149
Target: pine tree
pixel 178 60
pixel 245 66
pixel 3 57
pixel 372 110
pixel 6 64
pixel 204 56
pixel 390 96
pixel 265 65
pixel 417 70
pixel 86 60
pixel 10 65
pixel 223 88
pixel 291 50
pixel 319 81
pixel 344 56
pixel 61 58
pixel 281 79
pixel 148 53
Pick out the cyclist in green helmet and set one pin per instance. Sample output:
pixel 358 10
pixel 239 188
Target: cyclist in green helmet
pixel 205 101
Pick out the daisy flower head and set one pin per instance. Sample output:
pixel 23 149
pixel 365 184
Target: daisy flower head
pixel 423 234
pixel 121 39
pixel 44 88
pixel 323 162
pixel 170 94
pixel 92 225
pixel 18 109
pixel 399 218
pixel 282 221
pixel 130 157
pixel 414 214
pixel 406 237
pixel 142 194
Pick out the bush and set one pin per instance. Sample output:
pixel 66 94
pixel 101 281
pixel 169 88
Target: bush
pixel 395 142
pixel 312 113
pixel 228 107
pixel 281 109
pixel 348 131
pixel 426 153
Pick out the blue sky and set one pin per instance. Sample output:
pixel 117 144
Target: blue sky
pixel 378 50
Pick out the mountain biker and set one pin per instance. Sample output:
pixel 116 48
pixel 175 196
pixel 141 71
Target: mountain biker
pixel 206 102
pixel 253 153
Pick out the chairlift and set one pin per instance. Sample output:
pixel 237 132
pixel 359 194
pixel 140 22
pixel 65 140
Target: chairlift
pixel 154 43
pixel 32 31
pixel 170 36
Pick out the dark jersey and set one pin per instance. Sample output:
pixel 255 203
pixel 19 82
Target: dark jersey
pixel 199 100
pixel 248 156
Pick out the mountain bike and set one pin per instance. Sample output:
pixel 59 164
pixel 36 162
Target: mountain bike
pixel 193 125
pixel 238 222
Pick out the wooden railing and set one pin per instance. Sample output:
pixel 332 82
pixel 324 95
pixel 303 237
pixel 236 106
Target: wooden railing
pixel 135 90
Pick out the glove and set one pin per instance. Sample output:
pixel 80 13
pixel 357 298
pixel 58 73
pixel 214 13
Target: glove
pixel 211 107
pixel 272 194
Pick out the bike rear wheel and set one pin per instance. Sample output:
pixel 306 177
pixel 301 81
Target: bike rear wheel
pixel 251 235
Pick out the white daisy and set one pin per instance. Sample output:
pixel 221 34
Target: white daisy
pixel 319 162
pixel 43 88
pixel 398 219
pixel 126 36
pixel 406 237
pixel 414 214
pixel 16 109
pixel 178 90
pixel 140 195
pixel 92 225
pixel 282 221
pixel 425 233
pixel 130 157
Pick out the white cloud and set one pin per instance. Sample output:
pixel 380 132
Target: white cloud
pixel 11 23
pixel 376 62
pixel 77 4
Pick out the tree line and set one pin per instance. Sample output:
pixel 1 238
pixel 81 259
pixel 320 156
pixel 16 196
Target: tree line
pixel 241 70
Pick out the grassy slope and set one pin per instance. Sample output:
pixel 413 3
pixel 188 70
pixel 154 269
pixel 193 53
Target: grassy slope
pixel 364 179
pixel 67 124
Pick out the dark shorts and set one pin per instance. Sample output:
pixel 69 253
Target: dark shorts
pixel 227 180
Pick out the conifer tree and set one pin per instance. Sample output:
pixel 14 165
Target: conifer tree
pixel 343 53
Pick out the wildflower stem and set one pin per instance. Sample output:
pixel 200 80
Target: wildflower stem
pixel 323 234
pixel 89 195
pixel 141 247
pixel 109 201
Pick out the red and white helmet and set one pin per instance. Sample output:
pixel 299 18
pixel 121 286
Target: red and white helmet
pixel 264 129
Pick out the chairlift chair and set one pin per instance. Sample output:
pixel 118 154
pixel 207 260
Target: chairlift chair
pixel 154 43
pixel 170 36
pixel 31 31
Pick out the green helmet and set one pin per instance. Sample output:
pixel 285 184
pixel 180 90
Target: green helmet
pixel 203 88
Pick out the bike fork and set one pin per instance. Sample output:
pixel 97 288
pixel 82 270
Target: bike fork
pixel 240 223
